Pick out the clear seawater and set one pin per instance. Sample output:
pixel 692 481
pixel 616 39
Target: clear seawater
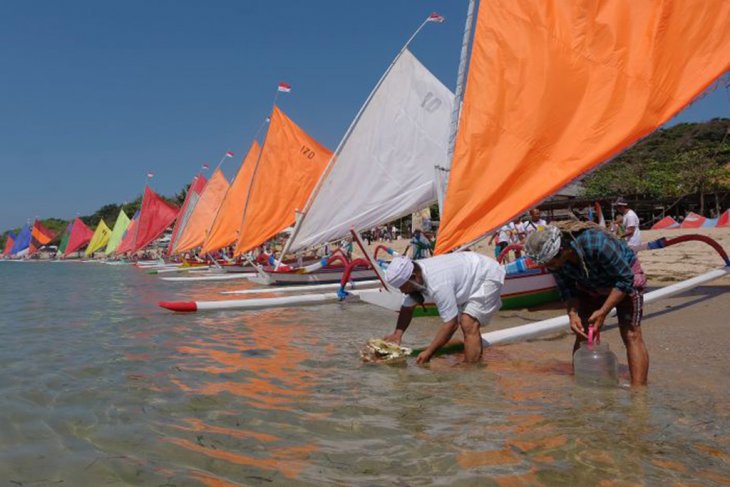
pixel 99 386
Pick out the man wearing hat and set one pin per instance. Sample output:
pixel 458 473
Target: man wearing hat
pixel 464 286
pixel 632 234
pixel 596 272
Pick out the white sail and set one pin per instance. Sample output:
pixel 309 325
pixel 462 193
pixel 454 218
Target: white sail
pixel 384 170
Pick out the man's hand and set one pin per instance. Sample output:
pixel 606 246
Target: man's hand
pixel 394 337
pixel 596 319
pixel 423 357
pixel 576 325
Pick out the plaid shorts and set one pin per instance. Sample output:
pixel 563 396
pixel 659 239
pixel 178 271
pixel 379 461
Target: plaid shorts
pixel 629 310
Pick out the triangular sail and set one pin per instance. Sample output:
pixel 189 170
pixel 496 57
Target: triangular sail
pixel 80 236
pixel 385 169
pixel 120 226
pixel 99 239
pixel 191 200
pixel 127 242
pixel 64 239
pixel 39 236
pixel 203 214
pixel 22 241
pixel 227 222
pixel 155 216
pixel 555 88
pixel 291 163
pixel 9 241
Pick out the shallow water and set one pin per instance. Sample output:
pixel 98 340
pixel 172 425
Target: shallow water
pixel 99 386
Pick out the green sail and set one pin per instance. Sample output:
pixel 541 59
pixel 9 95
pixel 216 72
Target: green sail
pixel 120 226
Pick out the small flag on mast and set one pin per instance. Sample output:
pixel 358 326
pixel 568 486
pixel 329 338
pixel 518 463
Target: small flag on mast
pixel 205 167
pixel 230 154
pixel 434 17
pixel 150 174
pixel 284 87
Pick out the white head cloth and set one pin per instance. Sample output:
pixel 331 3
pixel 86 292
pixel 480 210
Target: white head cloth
pixel 399 271
pixel 543 246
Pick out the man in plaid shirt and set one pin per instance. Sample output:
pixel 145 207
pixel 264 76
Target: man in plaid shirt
pixel 595 273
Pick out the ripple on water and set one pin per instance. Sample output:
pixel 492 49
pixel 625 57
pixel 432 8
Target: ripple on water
pixel 98 386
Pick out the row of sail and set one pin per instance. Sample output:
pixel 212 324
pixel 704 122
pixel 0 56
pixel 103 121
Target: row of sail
pixel 551 93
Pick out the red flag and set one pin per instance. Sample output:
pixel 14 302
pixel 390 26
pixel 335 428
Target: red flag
pixel 206 167
pixel 284 87
pixel 230 154
pixel 434 17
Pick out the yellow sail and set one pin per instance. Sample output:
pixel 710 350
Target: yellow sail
pixel 101 237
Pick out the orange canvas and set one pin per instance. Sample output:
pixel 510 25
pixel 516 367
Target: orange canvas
pixel 555 88
pixel 224 229
pixel 290 166
pixel 210 200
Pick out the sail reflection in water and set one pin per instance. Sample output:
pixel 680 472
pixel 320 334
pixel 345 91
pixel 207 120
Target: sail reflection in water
pixel 249 363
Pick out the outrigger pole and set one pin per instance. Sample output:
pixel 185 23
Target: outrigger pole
pixel 300 215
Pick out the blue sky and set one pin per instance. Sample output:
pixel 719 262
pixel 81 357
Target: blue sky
pixel 95 94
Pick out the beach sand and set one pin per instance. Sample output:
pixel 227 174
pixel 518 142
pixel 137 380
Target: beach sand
pixel 688 336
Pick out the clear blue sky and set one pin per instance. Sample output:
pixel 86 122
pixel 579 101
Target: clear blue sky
pixel 95 94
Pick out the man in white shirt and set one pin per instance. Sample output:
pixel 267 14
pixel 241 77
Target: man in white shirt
pixel 534 223
pixel 632 234
pixel 464 286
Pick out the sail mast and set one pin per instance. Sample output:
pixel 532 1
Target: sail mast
pixel 442 173
pixel 301 215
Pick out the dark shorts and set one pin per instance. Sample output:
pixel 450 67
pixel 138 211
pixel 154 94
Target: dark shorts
pixel 629 311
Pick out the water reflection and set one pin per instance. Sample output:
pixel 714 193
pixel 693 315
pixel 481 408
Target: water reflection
pixel 114 390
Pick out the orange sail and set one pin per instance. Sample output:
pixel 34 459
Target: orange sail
pixel 224 230
pixel 556 88
pixel 290 166
pixel 40 236
pixel 202 216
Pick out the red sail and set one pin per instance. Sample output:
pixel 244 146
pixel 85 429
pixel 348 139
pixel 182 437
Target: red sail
pixel 80 236
pixel 154 217
pixel 196 188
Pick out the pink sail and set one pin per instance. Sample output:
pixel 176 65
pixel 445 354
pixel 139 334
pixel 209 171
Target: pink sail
pixel 80 236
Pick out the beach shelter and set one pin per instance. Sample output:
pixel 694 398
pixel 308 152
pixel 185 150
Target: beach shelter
pixel 384 168
pixel 692 220
pixel 9 244
pixel 227 222
pixel 80 236
pixel 22 241
pixel 191 201
pixel 202 216
pixel 289 167
pixel 39 236
pixel 127 241
pixel 556 88
pixel 665 223
pixel 64 239
pixel 99 239
pixel 120 226
pixel 724 219
pixel 710 223
pixel 155 216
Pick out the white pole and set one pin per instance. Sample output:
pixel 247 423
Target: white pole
pixel 442 173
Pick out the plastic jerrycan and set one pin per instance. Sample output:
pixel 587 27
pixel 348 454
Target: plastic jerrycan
pixel 594 363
